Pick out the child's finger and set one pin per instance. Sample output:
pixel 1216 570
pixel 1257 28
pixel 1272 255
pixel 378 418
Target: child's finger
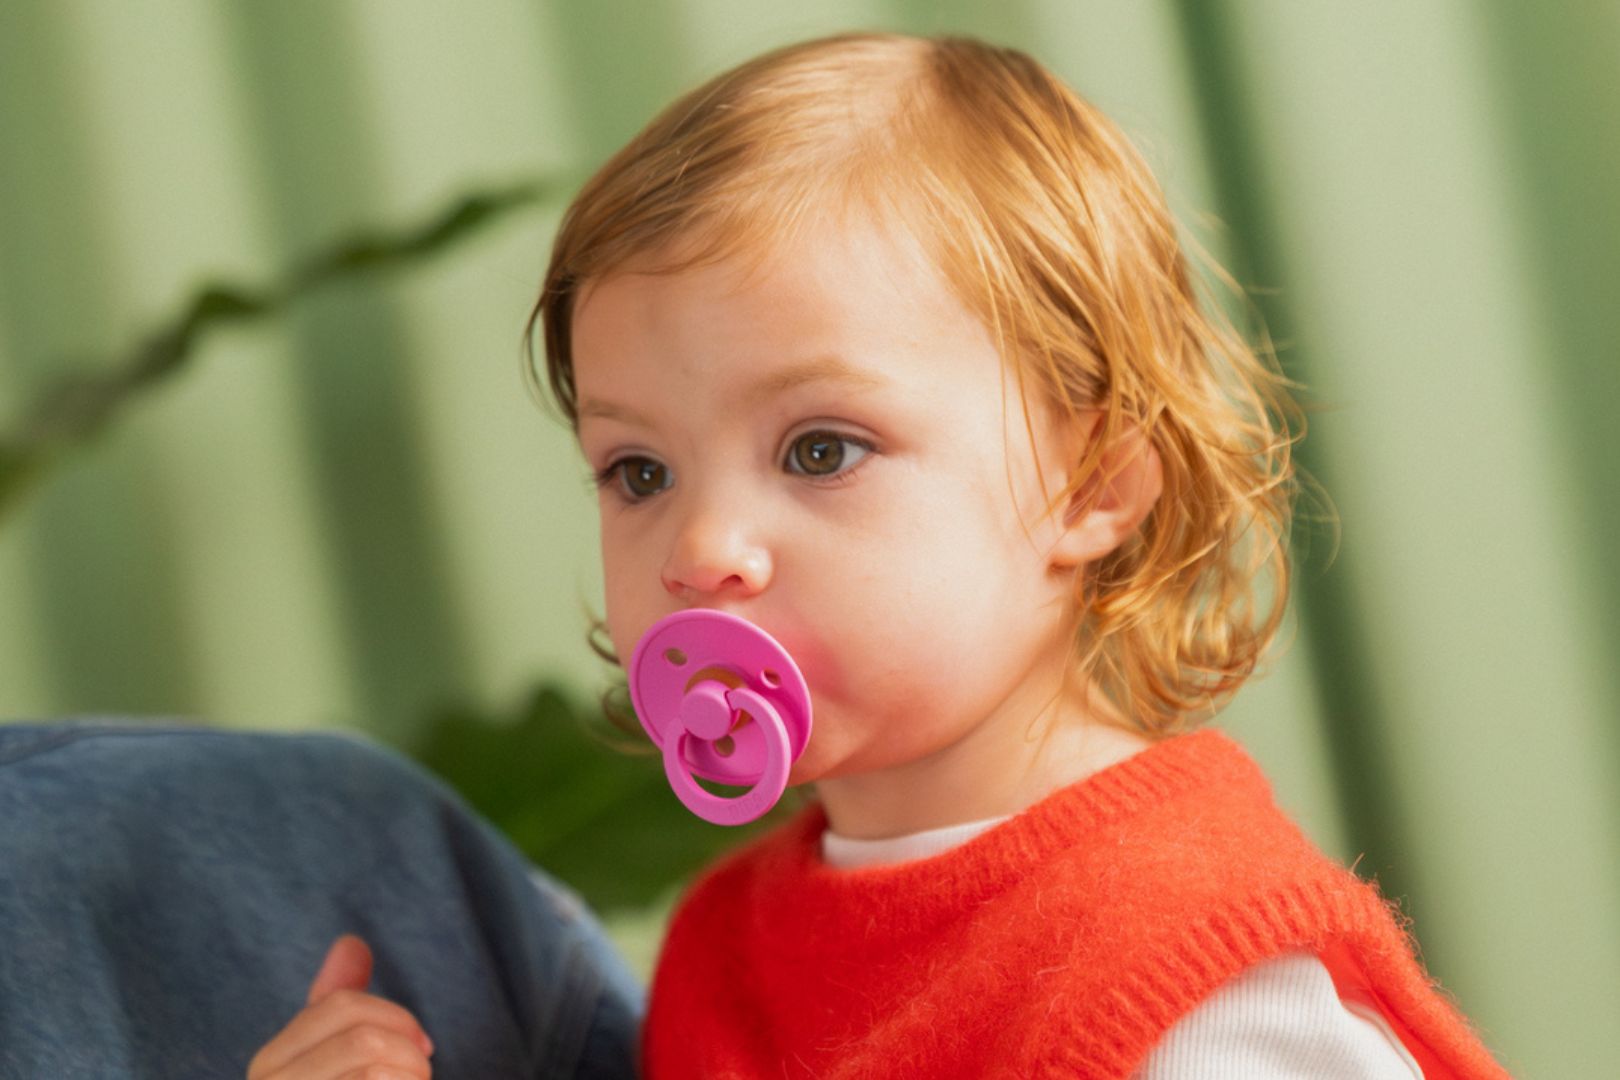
pixel 347 967
pixel 363 1050
pixel 340 1012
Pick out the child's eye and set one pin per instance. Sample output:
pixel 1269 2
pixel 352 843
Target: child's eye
pixel 821 454
pixel 639 478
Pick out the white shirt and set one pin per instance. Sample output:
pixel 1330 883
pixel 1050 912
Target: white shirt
pixel 1280 1019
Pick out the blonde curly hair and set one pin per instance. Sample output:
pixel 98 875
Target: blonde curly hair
pixel 1047 225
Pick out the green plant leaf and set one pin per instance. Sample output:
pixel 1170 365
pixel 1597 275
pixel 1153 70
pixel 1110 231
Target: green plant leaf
pixel 600 819
pixel 76 407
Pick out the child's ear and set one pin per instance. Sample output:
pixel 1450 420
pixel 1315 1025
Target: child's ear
pixel 1121 492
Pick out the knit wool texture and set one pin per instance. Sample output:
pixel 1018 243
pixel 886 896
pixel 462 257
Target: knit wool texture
pixel 1062 943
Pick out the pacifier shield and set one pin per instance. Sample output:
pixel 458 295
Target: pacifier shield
pixel 725 701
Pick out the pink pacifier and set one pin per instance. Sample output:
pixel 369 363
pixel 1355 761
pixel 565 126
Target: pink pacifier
pixel 725 701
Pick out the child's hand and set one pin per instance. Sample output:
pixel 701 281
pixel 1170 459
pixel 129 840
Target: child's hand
pixel 344 1032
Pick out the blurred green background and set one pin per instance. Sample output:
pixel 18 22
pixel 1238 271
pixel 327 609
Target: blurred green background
pixel 326 500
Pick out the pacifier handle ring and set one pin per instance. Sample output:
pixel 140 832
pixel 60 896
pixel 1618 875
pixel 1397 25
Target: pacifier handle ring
pixel 751 804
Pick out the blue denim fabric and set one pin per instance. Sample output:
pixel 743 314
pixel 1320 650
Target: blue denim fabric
pixel 167 894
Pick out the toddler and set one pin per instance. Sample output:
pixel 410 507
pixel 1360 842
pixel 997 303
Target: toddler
pixel 887 345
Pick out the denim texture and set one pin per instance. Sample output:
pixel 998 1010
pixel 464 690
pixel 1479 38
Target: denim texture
pixel 167 893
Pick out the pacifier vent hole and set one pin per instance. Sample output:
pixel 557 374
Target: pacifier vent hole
pixel 675 656
pixel 772 679
pixel 725 746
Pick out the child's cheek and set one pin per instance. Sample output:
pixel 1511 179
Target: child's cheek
pixel 819 663
pixel 622 645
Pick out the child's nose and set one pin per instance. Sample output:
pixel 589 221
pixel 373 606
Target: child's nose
pixel 715 555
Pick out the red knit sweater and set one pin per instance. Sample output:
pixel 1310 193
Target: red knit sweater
pixel 1061 943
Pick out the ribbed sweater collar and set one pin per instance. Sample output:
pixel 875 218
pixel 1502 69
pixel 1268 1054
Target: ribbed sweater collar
pixel 917 895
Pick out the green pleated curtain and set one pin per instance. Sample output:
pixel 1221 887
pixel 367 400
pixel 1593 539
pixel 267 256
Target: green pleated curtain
pixel 350 513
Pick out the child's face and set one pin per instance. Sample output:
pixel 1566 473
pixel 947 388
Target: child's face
pixel 825 449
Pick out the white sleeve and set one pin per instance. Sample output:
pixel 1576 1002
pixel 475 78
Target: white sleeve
pixel 1280 1019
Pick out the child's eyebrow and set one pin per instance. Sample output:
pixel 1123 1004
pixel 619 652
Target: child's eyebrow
pixel 828 367
pixel 606 410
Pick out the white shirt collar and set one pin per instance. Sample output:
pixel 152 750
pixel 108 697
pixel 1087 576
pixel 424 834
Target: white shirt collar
pixel 847 853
